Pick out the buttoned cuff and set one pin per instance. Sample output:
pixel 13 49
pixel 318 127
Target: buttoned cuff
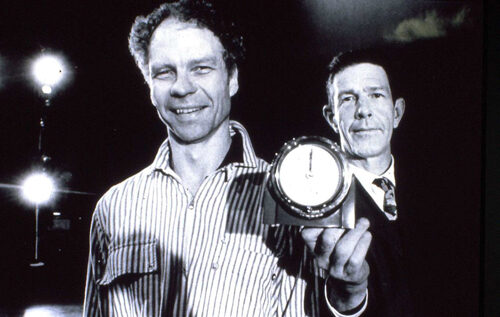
pixel 352 313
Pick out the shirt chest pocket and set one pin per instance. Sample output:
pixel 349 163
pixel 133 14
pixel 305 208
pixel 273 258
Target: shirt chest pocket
pixel 248 275
pixel 130 262
pixel 248 256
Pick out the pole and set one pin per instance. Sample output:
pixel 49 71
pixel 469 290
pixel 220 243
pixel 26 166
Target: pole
pixel 36 232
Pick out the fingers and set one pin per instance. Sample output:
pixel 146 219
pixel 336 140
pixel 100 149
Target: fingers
pixel 328 240
pixel 321 243
pixel 354 243
pixel 321 240
pixel 310 236
pixel 357 259
pixel 339 251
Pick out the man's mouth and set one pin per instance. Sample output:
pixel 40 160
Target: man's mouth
pixel 365 130
pixel 187 110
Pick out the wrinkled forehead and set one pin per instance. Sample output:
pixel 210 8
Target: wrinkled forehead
pixel 361 76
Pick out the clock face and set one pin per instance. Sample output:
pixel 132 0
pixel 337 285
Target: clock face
pixel 309 175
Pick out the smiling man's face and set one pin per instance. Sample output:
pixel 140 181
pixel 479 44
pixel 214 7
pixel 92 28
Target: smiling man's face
pixel 190 85
pixel 364 113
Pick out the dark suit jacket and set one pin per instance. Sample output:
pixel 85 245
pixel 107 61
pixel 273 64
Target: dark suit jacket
pixel 388 288
pixel 439 220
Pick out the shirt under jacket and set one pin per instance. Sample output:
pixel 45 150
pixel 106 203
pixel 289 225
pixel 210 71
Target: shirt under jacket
pixel 367 178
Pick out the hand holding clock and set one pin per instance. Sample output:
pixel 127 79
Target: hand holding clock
pixel 342 254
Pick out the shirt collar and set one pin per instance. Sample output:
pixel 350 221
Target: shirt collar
pixel 366 178
pixel 235 152
pixel 241 152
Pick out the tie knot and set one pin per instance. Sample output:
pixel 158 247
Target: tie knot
pixel 384 183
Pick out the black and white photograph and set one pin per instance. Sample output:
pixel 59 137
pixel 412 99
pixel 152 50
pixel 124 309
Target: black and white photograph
pixel 247 158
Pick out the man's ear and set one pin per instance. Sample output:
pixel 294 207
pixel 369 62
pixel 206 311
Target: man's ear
pixel 233 81
pixel 330 118
pixel 399 110
pixel 151 97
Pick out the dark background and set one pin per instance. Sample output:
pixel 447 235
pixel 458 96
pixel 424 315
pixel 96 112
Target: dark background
pixel 102 128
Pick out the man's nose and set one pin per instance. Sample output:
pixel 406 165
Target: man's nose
pixel 182 86
pixel 363 108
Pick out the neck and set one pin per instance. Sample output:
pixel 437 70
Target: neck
pixel 376 165
pixel 195 161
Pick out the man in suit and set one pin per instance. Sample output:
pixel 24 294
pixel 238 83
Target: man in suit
pixel 364 112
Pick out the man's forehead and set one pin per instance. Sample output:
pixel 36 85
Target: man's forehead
pixel 173 23
pixel 361 76
pixel 186 34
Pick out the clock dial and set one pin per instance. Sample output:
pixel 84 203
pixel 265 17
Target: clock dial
pixel 309 175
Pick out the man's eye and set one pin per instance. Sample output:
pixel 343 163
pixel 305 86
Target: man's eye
pixel 347 99
pixel 165 74
pixel 202 70
pixel 377 95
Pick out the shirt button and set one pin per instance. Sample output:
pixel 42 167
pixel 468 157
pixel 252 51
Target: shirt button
pixel 274 276
pixel 215 265
pixel 191 207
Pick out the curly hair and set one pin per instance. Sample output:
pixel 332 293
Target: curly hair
pixel 200 12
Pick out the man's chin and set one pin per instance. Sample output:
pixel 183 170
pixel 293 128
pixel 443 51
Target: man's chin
pixel 195 133
pixel 189 137
pixel 366 150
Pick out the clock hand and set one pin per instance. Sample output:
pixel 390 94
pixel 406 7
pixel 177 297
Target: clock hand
pixel 310 160
pixel 309 174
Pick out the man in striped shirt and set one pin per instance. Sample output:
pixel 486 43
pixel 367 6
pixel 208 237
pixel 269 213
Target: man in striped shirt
pixel 184 237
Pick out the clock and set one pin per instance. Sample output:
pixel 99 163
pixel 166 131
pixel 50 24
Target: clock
pixel 310 177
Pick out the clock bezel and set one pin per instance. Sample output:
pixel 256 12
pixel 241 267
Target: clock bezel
pixel 311 211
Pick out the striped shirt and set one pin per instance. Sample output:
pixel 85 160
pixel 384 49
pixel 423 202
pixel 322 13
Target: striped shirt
pixel 157 250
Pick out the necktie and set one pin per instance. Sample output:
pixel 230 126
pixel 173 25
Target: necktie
pixel 389 197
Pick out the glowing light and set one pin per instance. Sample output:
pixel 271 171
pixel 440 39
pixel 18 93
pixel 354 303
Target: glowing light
pixel 46 89
pixel 48 70
pixel 38 188
pixel 39 312
pixel 53 311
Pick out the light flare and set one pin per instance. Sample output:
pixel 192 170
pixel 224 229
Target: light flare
pixel 38 188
